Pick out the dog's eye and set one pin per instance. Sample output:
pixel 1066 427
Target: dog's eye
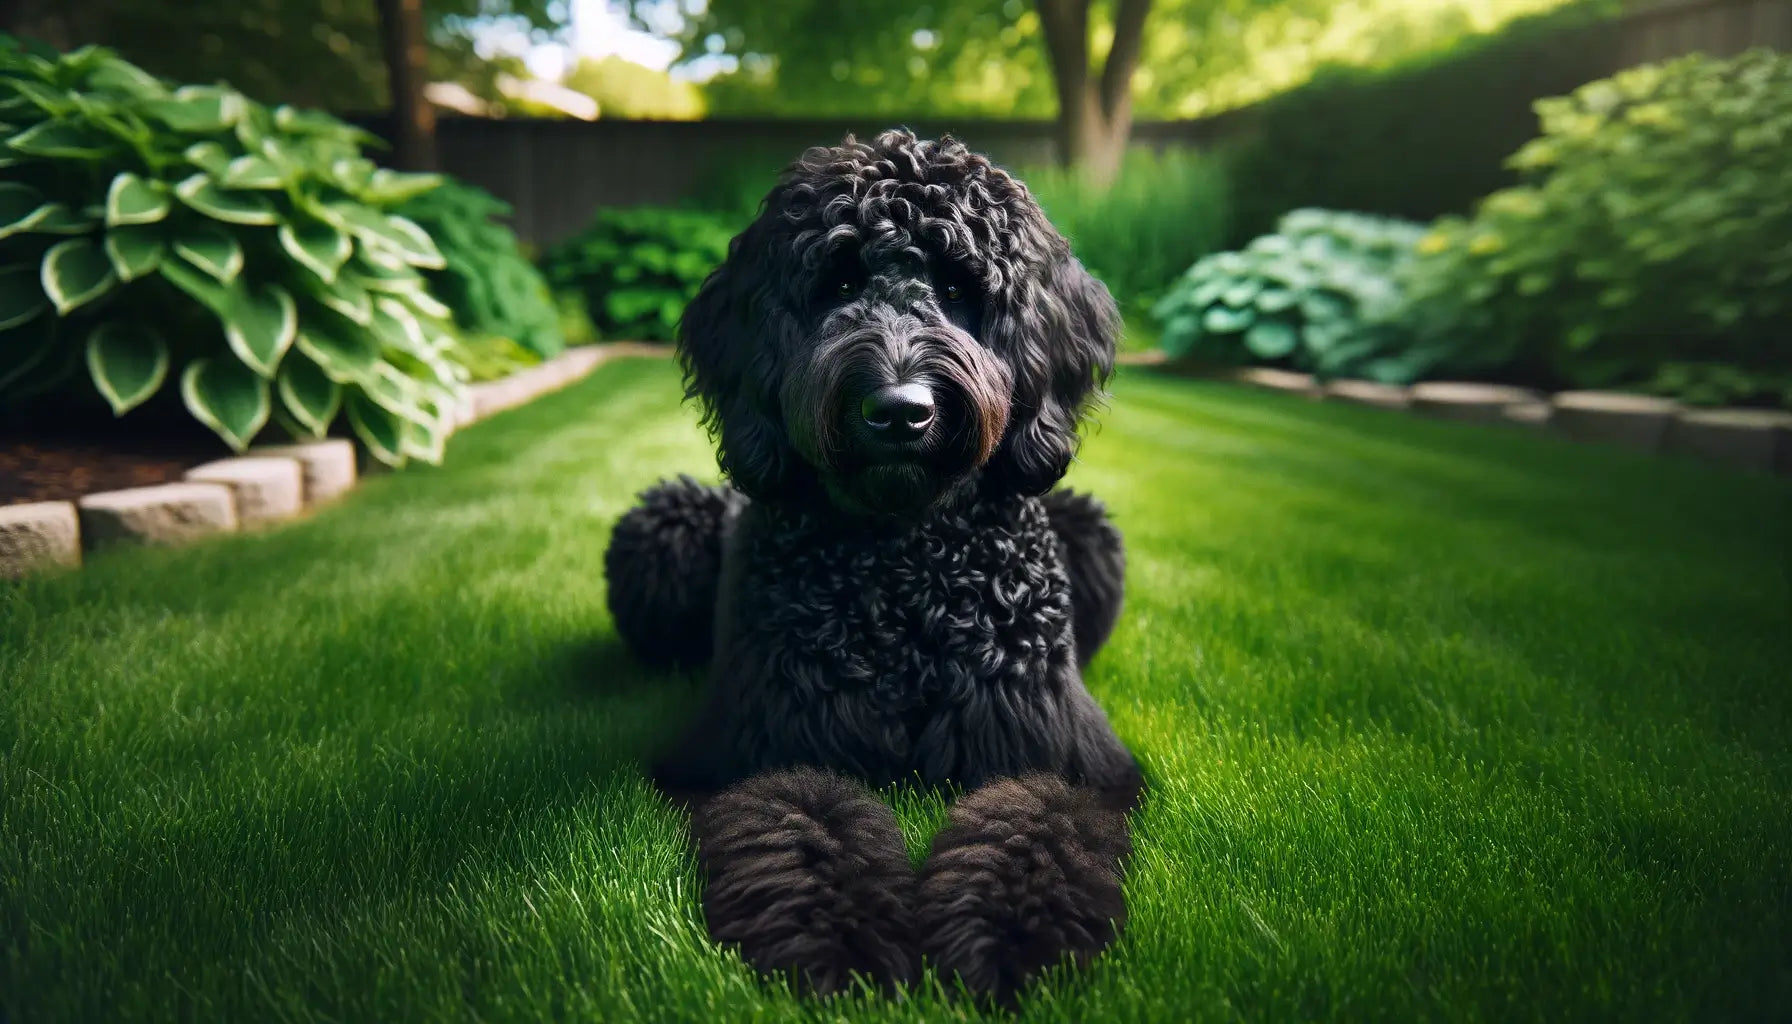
pixel 954 293
pixel 846 289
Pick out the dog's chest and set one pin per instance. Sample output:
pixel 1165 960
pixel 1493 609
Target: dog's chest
pixel 913 622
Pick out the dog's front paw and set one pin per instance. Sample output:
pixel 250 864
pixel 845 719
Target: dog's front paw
pixel 1026 873
pixel 807 874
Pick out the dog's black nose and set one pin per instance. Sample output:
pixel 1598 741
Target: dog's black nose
pixel 900 412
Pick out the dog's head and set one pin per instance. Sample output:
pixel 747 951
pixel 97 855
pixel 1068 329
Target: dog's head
pixel 900 319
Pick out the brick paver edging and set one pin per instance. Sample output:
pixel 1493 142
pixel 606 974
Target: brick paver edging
pixel 265 486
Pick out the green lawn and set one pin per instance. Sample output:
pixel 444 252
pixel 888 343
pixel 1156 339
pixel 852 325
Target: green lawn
pixel 1446 723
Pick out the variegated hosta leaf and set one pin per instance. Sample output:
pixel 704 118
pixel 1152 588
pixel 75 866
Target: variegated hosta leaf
pixel 317 246
pixel 346 353
pixel 127 362
pixel 260 326
pixel 228 397
pixel 132 200
pixel 135 250
pixel 22 296
pixel 308 394
pixel 425 442
pixel 203 194
pixel 213 250
pixel 74 273
pixel 381 431
pixel 198 109
pixel 253 172
pixel 21 207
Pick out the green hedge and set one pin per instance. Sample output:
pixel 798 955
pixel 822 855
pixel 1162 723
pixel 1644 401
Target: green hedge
pixel 1650 245
pixel 1423 138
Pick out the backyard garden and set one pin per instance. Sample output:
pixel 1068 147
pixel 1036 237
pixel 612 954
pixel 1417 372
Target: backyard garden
pixel 1456 503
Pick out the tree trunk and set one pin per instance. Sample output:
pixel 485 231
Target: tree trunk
pixel 407 58
pixel 1094 110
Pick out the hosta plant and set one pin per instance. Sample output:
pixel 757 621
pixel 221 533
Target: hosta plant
pixel 1650 243
pixel 187 237
pixel 637 268
pixel 490 285
pixel 1319 295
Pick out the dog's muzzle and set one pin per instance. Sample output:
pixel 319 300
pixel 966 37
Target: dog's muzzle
pixel 894 409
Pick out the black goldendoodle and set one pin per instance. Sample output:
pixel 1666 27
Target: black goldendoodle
pixel 894 360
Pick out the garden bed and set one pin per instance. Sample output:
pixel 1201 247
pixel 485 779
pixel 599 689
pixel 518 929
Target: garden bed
pixel 67 493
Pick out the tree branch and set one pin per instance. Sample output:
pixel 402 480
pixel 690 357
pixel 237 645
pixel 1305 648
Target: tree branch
pixel 1123 56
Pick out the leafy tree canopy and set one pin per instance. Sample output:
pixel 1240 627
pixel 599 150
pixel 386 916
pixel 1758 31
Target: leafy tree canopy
pixel 623 88
pixel 837 57
pixel 319 53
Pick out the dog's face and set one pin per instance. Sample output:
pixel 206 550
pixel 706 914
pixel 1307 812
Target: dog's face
pixel 900 319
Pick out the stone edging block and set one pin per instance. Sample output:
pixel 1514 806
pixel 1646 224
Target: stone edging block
pixel 37 536
pixel 1368 392
pixel 1639 421
pixel 165 514
pixel 1752 438
pixel 1528 414
pixel 328 466
pixel 268 488
pixel 488 398
pixel 1278 380
pixel 1461 400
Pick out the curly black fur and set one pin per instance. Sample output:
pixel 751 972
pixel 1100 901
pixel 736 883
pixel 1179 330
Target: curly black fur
pixel 1095 558
pixel 905 604
pixel 807 875
pixel 662 564
pixel 665 559
pixel 1026 874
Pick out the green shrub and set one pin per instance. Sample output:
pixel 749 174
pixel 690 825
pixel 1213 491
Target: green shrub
pixel 492 356
pixel 488 283
pixel 1161 214
pixel 149 232
pixel 1421 138
pixel 637 267
pixel 1320 295
pixel 1650 245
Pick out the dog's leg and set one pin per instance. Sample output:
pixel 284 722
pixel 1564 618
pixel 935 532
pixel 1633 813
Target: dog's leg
pixel 1095 557
pixel 662 566
pixel 1025 875
pixel 806 873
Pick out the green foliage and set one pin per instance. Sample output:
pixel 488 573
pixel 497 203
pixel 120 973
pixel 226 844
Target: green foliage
pixel 988 57
pixel 636 268
pixel 159 235
pixel 623 88
pixel 1422 138
pixel 486 280
pixel 1650 244
pixel 1319 295
pixel 492 356
pixel 310 53
pixel 1160 215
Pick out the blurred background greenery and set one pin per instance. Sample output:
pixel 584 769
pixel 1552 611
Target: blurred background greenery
pixel 1558 193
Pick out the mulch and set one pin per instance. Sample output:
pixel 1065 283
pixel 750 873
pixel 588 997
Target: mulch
pixel 68 467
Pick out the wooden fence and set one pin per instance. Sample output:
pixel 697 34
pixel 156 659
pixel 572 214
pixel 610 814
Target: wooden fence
pixel 556 173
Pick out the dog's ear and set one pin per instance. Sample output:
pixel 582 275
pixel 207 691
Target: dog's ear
pixel 1059 330
pixel 728 345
